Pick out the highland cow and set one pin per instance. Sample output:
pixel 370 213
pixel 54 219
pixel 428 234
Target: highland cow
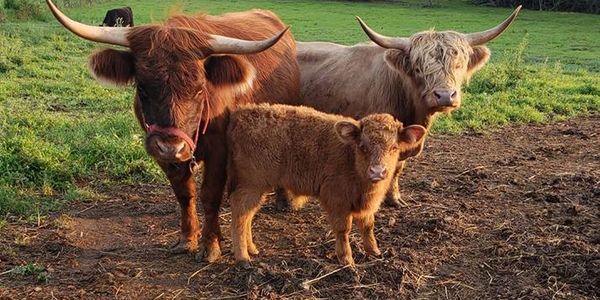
pixel 411 78
pixel 187 72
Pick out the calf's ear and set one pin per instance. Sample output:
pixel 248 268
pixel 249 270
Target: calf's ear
pixel 478 59
pixel 348 132
pixel 112 66
pixel 230 74
pixel 411 140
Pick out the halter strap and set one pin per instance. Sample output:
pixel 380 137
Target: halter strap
pixel 174 131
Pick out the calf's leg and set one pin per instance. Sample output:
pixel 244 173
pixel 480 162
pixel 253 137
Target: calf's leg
pixel 184 186
pixel 393 197
pixel 366 226
pixel 341 224
pixel 244 205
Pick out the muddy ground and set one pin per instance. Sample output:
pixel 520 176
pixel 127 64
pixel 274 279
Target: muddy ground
pixel 513 214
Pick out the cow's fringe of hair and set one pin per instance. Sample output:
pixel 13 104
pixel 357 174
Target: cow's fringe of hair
pixel 437 69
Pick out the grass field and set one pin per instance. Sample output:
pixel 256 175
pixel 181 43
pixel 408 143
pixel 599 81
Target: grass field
pixel 64 134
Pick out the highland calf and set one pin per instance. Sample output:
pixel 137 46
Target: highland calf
pixel 346 164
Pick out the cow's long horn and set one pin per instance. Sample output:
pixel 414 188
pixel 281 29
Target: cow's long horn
pixel 384 41
pixel 480 38
pixel 108 35
pixel 227 45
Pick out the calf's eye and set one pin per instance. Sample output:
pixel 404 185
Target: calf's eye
pixel 363 148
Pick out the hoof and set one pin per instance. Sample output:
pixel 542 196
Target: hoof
pixel 182 247
pixel 244 264
pixel 345 261
pixel 374 253
pixel 209 254
pixel 393 201
pixel 252 250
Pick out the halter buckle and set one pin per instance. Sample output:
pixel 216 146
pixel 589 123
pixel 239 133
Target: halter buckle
pixel 193 165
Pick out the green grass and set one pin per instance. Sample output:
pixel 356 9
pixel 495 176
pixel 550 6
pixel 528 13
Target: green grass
pixel 31 270
pixel 63 133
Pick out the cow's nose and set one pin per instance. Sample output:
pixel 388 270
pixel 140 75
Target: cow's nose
pixel 446 97
pixel 377 173
pixel 170 149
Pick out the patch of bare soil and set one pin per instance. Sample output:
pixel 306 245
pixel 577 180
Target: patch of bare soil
pixel 514 214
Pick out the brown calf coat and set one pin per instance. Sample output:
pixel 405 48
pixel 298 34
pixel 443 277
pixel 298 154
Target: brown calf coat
pixel 339 160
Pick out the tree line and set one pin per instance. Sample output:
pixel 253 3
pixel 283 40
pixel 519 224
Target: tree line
pixel 587 6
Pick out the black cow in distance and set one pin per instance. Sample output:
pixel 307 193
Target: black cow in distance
pixel 118 17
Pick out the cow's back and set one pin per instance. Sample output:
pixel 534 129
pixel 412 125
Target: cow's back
pixel 349 80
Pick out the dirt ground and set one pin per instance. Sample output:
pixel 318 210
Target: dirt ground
pixel 514 214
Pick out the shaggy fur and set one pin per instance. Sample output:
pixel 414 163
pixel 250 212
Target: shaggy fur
pixel 179 83
pixel 359 80
pixel 311 153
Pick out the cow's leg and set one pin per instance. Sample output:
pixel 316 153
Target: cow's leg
pixel 366 226
pixel 282 200
pixel 184 186
pixel 341 224
pixel 211 195
pixel 393 197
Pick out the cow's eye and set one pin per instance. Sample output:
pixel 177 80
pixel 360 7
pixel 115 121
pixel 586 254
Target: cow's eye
pixel 142 92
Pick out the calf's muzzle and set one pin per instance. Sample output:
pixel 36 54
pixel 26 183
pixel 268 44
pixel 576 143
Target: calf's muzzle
pixel 377 173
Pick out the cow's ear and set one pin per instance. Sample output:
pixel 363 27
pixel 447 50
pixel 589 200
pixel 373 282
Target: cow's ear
pixel 479 57
pixel 231 73
pixel 348 132
pixel 397 60
pixel 112 66
pixel 411 139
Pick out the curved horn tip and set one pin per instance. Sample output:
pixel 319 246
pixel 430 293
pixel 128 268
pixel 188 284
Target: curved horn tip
pixel 382 40
pixel 108 35
pixel 227 45
pixel 517 10
pixel 480 38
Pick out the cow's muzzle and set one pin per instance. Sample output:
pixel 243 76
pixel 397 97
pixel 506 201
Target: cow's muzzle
pixel 169 148
pixel 447 97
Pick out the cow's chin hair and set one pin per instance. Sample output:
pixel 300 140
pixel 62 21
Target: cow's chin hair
pixel 171 160
pixel 444 109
